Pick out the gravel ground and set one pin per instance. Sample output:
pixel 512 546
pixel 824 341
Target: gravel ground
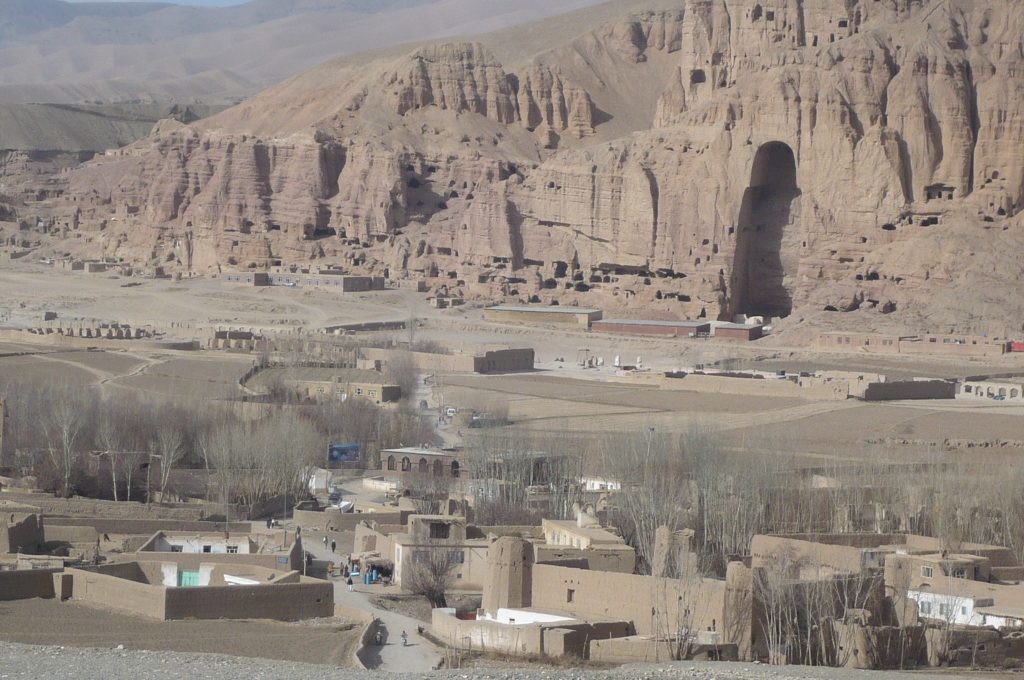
pixel 22 661
pixel 51 622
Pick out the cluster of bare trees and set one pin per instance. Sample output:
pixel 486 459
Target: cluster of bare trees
pixel 127 446
pixel 56 429
pixel 802 619
pixel 518 477
pixel 656 486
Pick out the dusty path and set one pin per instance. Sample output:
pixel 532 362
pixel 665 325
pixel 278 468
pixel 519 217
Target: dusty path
pixel 420 655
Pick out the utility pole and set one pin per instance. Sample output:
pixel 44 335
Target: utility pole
pixel 149 469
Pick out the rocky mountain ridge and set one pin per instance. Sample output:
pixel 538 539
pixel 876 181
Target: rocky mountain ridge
pixel 717 157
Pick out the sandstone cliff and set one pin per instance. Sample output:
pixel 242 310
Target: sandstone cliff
pixel 721 157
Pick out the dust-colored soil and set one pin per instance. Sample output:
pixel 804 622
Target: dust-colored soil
pixel 49 622
pixel 40 370
pixel 559 397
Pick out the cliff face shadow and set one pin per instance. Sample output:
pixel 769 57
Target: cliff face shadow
pixel 763 263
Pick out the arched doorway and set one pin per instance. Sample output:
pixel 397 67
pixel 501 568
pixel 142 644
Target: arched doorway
pixel 767 248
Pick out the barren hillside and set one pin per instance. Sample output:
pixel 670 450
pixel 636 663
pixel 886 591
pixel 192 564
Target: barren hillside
pixel 55 51
pixel 842 162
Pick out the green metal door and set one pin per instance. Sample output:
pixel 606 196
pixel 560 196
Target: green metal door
pixel 188 579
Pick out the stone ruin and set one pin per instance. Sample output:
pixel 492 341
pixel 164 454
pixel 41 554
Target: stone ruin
pixel 97 331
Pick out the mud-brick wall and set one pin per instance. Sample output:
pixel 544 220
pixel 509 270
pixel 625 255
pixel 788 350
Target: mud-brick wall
pixel 193 560
pixel 20 533
pixel 654 605
pixel 114 590
pixel 146 527
pixel 284 602
pixel 910 389
pixel 486 636
pixel 25 585
pixel 342 521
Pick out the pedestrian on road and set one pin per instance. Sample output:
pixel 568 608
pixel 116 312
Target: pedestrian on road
pixel 325 540
pixel 270 523
pixel 334 546
pixel 349 584
pixel 405 639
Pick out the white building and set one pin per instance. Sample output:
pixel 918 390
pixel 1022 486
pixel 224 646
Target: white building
pixel 972 603
pixel 998 390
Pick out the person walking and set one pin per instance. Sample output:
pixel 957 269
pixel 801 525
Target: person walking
pixel 334 546
pixel 349 582
pixel 405 639
pixel 325 540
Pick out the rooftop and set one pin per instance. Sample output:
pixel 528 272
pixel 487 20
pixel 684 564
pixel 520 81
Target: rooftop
pixel 522 617
pixel 420 451
pixel 739 326
pixel 336 375
pixel 596 534
pixel 655 322
pixel 248 543
pixel 554 309
pixel 1002 600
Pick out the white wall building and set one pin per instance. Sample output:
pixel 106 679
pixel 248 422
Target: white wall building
pixel 972 608
pixel 998 390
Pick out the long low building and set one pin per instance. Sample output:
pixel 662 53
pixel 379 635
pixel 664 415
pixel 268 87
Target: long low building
pixel 672 329
pixel 932 345
pixel 490 361
pixel 331 280
pixel 739 332
pixel 572 317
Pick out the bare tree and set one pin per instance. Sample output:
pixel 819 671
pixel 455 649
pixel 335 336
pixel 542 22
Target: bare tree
pixel 169 447
pixel 400 369
pixel 63 426
pixel 259 461
pixel 430 571
pixel 110 436
pixel 656 488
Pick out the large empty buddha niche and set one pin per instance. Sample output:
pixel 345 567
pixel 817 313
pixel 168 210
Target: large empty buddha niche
pixel 767 245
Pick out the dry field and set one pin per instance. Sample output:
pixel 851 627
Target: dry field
pixel 560 397
pixel 39 369
pixel 186 375
pixel 49 622
pixel 807 430
pixel 185 308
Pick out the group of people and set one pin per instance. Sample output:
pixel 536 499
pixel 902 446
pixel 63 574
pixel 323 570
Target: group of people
pixel 334 544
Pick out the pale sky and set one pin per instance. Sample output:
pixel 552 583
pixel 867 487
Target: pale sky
pixel 203 3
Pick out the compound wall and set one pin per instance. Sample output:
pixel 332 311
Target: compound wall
pixel 654 605
pixel 26 584
pixel 115 589
pixel 20 532
pixel 307 599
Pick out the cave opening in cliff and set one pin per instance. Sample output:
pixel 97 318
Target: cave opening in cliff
pixel 767 245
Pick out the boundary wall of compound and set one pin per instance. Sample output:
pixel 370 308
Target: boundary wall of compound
pixel 58 340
